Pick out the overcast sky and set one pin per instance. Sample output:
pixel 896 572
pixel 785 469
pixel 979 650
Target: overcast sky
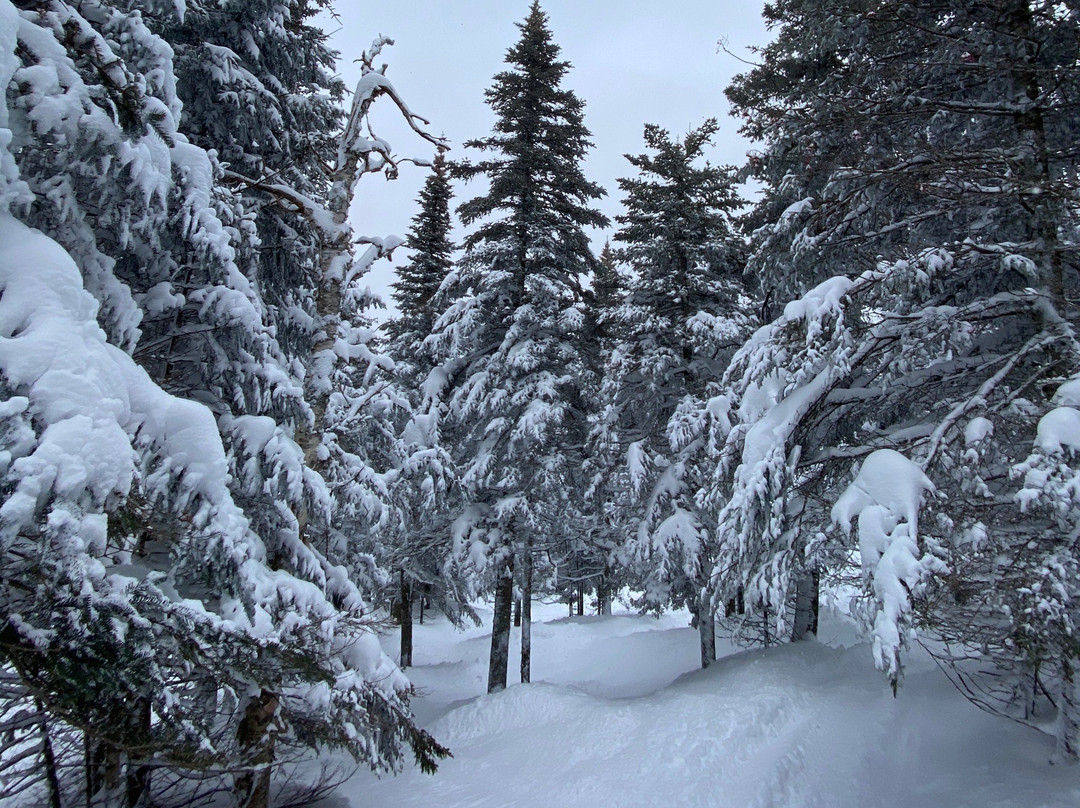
pixel 634 62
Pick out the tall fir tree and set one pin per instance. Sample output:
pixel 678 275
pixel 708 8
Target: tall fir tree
pixel 513 370
pixel 419 537
pixel 678 324
pixel 608 284
pixel 430 261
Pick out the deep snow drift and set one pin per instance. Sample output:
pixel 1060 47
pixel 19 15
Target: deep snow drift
pixel 618 715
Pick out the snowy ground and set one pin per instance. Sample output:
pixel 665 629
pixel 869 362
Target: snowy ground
pixel 618 715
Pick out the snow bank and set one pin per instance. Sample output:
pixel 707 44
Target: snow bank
pixel 798 726
pixel 54 356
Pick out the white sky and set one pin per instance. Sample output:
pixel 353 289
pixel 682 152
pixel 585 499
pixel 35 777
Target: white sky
pixel 634 62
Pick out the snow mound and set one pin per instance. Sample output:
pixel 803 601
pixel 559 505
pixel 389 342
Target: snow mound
pixel 1058 430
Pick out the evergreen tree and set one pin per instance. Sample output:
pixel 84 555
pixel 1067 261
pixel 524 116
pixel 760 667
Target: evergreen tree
pixel 259 86
pixel 678 324
pixel 594 554
pixel 419 537
pixel 608 284
pixel 180 614
pixel 429 264
pixel 941 356
pixel 512 367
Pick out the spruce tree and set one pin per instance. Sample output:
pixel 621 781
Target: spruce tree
pixel 678 324
pixel 601 534
pixel 512 366
pixel 429 264
pixel 419 536
pixel 608 283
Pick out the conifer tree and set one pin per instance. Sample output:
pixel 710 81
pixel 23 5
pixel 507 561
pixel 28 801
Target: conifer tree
pixel 924 155
pixel 429 264
pixel 608 283
pixel 601 535
pixel 512 367
pixel 678 324
pixel 419 537
pixel 199 621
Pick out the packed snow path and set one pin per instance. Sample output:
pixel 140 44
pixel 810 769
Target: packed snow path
pixel 618 715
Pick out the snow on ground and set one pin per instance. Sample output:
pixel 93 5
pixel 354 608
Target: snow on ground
pixel 618 716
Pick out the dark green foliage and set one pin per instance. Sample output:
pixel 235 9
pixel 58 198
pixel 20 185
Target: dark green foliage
pixel 608 283
pixel 429 264
pixel 538 196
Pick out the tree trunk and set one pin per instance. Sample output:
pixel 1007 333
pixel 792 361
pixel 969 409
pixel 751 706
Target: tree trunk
pixel 103 765
pixel 336 247
pixel 252 787
pixel 581 599
pixel 499 661
pixel 807 586
pixel 92 768
pixel 1044 204
pixel 706 632
pixel 138 776
pixel 52 778
pixel 113 767
pixel 423 603
pixel 525 613
pixel 517 612
pixel 406 622
pixel 603 595
pixel 1068 740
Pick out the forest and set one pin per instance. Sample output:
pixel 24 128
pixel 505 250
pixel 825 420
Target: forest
pixel 837 380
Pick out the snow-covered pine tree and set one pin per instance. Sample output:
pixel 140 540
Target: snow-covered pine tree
pixel 418 536
pixel 605 498
pixel 939 367
pixel 294 172
pixel 430 258
pixel 258 86
pixel 512 367
pixel 121 499
pixel 678 324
